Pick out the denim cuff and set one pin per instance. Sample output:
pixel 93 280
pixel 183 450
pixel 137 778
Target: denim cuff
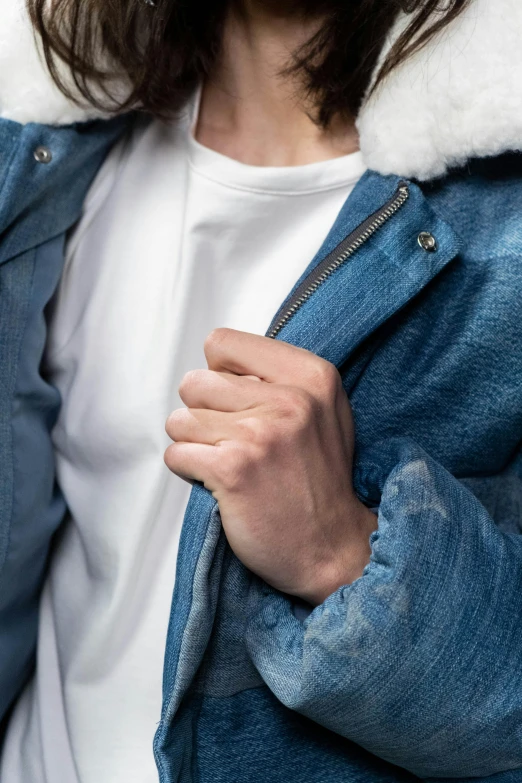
pixel 416 660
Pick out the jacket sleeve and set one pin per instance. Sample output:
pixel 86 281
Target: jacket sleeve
pixel 419 660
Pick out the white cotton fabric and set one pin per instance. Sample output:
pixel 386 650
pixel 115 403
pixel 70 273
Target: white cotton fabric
pixel 175 240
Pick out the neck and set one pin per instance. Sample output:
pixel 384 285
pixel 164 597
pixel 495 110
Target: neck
pixel 249 111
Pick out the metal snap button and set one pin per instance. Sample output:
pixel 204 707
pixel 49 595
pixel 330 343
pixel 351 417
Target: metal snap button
pixel 427 241
pixel 43 155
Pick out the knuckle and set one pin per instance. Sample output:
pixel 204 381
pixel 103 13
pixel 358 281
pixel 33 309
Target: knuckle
pixel 189 380
pixel 232 469
pixel 169 457
pixel 173 420
pixel 216 338
pixel 325 380
pixel 299 406
pixel 255 431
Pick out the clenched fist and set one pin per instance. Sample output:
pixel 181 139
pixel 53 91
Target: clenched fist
pixel 268 429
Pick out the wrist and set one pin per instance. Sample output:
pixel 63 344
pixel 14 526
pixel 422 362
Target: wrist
pixel 350 559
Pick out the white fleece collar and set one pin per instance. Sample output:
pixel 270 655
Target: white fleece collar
pixel 458 98
pixel 27 92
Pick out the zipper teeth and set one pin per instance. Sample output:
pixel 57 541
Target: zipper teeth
pixel 375 225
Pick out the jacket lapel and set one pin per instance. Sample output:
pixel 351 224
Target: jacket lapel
pixel 379 279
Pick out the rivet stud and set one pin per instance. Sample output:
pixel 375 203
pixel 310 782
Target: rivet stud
pixel 427 241
pixel 43 154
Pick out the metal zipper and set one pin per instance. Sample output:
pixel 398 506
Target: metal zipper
pixel 338 256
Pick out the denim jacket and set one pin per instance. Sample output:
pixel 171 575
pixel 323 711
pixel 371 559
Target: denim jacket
pixel 413 671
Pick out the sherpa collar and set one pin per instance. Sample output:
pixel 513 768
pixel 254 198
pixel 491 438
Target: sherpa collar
pixel 27 92
pixel 460 97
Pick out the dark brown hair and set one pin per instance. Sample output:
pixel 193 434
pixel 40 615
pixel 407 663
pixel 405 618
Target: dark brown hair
pixel 163 48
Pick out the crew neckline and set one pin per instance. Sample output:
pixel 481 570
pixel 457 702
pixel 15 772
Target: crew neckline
pixel 304 179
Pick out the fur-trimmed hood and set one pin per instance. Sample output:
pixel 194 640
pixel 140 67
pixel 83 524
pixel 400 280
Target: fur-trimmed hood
pixel 460 97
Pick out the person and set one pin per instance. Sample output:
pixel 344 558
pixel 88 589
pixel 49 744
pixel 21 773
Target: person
pixel 293 232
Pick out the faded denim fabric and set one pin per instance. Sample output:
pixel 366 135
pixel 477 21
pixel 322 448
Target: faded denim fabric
pixel 412 672
pixel 38 203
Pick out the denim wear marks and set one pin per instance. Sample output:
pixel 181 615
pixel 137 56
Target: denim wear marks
pixel 412 671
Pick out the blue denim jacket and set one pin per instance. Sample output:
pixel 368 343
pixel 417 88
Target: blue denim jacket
pixel 413 671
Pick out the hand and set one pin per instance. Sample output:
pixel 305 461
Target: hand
pixel 268 429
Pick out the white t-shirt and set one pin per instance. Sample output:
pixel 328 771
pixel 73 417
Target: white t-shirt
pixel 175 240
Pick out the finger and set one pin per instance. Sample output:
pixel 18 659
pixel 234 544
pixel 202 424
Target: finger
pixel 193 462
pixel 221 391
pixel 200 425
pixel 271 360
